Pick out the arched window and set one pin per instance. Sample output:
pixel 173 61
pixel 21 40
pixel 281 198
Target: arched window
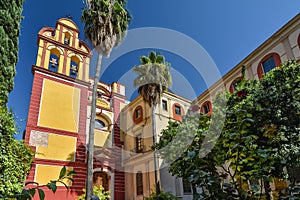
pixel 101 179
pixel 139 183
pixel 269 62
pixel 67 38
pixel 54 60
pixel 234 84
pixel 74 67
pixel 99 124
pixel 138 114
pixel 206 107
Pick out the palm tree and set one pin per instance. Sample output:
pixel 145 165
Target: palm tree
pixel 153 77
pixel 105 24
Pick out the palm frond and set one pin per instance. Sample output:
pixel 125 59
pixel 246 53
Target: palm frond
pixel 152 56
pixel 153 77
pixel 159 59
pixel 144 60
pixel 104 23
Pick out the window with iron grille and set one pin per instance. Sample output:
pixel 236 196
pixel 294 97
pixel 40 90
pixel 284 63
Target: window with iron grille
pixel 139 183
pixel 139 144
pixel 187 189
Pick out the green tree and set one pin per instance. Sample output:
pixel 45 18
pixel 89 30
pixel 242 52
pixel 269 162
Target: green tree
pixel 259 139
pixel 243 159
pixel 261 130
pixel 33 187
pixel 278 116
pixel 187 137
pixel 153 77
pixel 105 24
pixel 98 191
pixel 15 158
pixel 162 196
pixel 10 18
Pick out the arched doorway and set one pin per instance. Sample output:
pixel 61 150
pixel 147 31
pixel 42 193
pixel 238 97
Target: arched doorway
pixel 101 178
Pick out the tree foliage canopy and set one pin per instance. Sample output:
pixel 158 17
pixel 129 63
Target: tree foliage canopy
pixel 10 18
pixel 15 158
pixel 258 143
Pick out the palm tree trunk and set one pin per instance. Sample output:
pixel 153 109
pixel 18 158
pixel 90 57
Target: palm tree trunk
pixel 90 148
pixel 157 188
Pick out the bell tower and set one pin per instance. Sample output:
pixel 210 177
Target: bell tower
pixel 61 51
pixel 57 118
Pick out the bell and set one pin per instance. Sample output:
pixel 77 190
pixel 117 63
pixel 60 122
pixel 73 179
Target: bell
pixel 66 41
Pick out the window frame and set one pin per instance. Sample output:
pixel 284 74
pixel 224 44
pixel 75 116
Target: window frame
pixel 177 110
pixel 186 187
pixel 137 113
pixel 51 63
pixel 139 143
pixel 139 183
pixel 101 178
pixel 164 105
pixel 277 62
pixel 137 118
pixel 206 104
pixel 100 122
pixel 74 75
pixel 232 86
pixel 299 41
pixel 176 116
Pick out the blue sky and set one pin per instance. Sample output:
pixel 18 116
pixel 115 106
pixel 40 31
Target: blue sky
pixel 226 30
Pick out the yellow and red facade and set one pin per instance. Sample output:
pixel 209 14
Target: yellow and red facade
pixel 58 117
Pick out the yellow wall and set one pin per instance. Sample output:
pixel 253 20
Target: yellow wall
pixel 80 71
pixel 87 69
pixel 47 57
pixel 115 87
pixel 59 106
pixel 68 23
pixel 100 138
pixel 45 173
pixel 122 105
pixel 61 63
pixel 40 53
pixel 68 66
pixel 59 148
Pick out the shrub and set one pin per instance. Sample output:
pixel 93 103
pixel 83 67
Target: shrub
pixel 98 191
pixel 162 196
